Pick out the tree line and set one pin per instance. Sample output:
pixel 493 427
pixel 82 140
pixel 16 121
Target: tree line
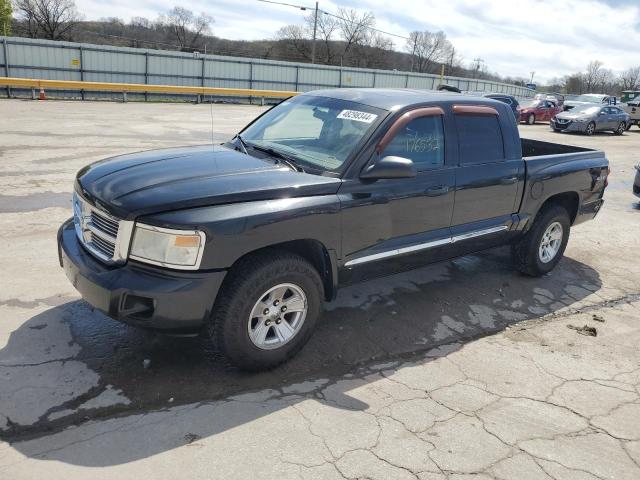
pixel 597 79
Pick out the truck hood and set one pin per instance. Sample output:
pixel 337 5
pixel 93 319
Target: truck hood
pixel 157 181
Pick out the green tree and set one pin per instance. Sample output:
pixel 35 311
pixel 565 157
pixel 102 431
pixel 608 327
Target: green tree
pixel 5 17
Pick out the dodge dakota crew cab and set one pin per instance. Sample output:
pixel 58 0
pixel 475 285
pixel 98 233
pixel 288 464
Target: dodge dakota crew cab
pixel 245 240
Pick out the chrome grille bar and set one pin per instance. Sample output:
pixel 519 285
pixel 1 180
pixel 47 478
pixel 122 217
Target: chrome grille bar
pixel 104 236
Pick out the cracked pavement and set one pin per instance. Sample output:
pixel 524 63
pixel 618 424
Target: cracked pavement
pixel 461 370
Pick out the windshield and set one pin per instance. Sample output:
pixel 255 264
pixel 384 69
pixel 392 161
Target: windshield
pixel 319 132
pixel 590 98
pixel 586 109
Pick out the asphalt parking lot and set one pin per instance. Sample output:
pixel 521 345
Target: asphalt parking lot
pixel 458 369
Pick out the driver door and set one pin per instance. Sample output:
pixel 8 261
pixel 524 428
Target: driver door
pixel 395 224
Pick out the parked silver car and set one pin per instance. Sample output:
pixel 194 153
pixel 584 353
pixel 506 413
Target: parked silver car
pixel 589 119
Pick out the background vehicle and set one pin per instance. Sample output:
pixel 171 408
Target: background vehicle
pixel 245 240
pixel 629 95
pixel 633 109
pixel 590 98
pixel 556 98
pixel 509 100
pixel 538 111
pixel 589 119
pixel 636 182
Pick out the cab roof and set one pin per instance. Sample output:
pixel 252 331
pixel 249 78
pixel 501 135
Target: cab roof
pixel 398 98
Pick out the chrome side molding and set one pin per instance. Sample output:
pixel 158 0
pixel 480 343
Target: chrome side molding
pixel 426 245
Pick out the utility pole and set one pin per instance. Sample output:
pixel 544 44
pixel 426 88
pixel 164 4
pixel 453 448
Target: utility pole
pixel 478 61
pixel 413 52
pixel 315 29
pixel 532 74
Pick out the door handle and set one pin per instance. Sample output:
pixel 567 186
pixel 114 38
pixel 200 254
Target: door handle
pixel 437 190
pixel 508 180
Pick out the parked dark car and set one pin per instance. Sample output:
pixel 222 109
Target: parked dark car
pixel 589 119
pixel 538 111
pixel 245 240
pixel 636 182
pixel 509 100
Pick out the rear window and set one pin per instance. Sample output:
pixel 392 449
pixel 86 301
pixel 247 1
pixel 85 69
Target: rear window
pixel 480 139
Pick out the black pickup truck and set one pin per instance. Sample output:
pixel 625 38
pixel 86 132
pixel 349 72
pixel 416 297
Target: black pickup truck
pixel 245 240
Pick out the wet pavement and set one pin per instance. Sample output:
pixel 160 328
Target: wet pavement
pixel 63 364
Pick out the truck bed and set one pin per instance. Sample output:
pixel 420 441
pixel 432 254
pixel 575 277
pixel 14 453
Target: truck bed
pixel 537 148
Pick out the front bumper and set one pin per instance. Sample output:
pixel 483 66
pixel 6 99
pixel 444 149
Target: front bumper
pixel 568 127
pixel 137 294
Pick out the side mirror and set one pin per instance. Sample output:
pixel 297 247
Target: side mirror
pixel 390 167
pixel 603 113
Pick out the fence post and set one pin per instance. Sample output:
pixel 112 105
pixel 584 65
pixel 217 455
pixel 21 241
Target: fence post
pixel 340 81
pixel 406 81
pixel 374 79
pixel 204 59
pixel 146 74
pixel 297 76
pixel 250 81
pixel 6 64
pixel 81 70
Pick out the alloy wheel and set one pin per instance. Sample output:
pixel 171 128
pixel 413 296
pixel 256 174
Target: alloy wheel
pixel 550 242
pixel 277 316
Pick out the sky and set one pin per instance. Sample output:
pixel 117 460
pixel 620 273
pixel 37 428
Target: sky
pixel 514 37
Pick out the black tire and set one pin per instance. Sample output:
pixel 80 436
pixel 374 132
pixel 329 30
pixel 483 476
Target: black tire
pixel 621 129
pixel 531 119
pixel 591 129
pixel 525 252
pixel 247 281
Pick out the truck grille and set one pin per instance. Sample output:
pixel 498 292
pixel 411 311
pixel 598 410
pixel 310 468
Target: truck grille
pixel 104 236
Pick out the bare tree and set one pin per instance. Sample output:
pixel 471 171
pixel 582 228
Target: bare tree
pixel 594 76
pixel 298 38
pixel 353 28
pixel 52 19
pixel 186 27
pixel 630 78
pixel 427 49
pixel 325 33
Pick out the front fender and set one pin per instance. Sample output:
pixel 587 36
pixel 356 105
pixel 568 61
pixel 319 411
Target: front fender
pixel 236 229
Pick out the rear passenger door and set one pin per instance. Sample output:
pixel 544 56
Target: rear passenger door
pixel 488 175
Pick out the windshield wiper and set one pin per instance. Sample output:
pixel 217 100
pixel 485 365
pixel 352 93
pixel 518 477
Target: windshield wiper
pixel 242 143
pixel 280 156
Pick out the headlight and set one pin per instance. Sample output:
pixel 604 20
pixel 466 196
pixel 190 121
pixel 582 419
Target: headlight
pixel 181 249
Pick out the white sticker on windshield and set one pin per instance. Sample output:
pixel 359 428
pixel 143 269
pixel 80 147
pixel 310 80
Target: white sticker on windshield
pixel 357 116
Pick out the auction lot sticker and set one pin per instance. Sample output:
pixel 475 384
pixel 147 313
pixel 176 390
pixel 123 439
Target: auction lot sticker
pixel 357 116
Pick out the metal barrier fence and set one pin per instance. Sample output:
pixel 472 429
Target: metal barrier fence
pixel 52 60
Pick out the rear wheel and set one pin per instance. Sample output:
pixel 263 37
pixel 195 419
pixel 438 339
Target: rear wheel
pixel 621 128
pixel 531 119
pixel 266 310
pixel 591 129
pixel 542 247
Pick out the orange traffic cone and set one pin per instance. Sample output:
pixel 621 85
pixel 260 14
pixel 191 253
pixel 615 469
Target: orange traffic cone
pixel 42 95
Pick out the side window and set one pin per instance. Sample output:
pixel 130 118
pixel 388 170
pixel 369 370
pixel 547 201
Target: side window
pixel 422 141
pixel 480 139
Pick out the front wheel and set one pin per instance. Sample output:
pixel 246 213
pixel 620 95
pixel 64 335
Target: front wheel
pixel 542 247
pixel 621 128
pixel 266 310
pixel 591 129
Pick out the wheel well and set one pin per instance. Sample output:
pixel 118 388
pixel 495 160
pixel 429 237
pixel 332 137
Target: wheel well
pixel 314 252
pixel 569 200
